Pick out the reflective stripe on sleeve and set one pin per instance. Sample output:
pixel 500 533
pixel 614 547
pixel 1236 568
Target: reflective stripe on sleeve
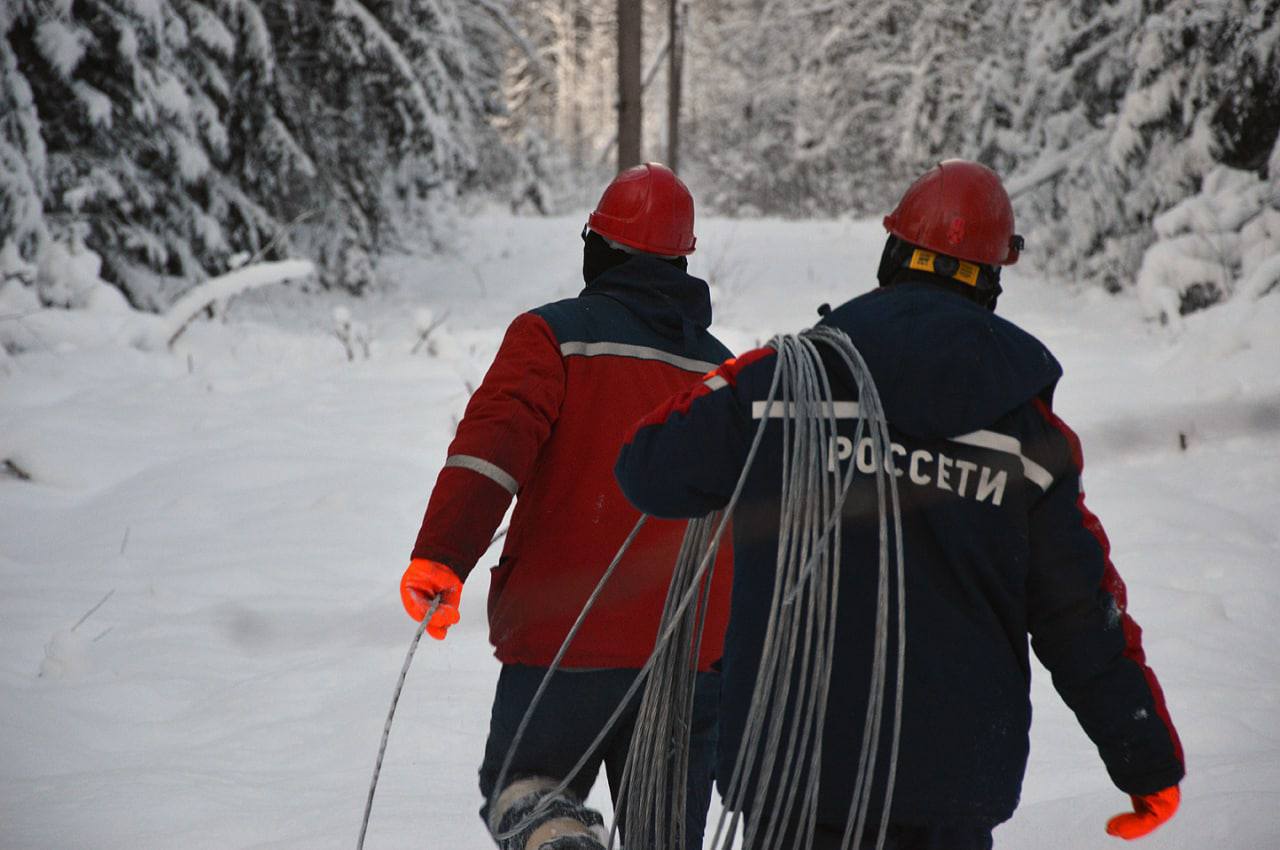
pixel 1034 472
pixel 637 352
pixel 493 472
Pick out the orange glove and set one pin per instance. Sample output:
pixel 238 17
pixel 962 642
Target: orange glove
pixel 424 581
pixel 1149 811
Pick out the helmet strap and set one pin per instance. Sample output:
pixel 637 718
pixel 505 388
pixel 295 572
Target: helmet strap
pixel 981 281
pixel 977 281
pixel 940 264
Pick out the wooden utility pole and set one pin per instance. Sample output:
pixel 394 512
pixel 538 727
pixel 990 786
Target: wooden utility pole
pixel 629 82
pixel 675 81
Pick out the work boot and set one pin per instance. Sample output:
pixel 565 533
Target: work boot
pixel 563 823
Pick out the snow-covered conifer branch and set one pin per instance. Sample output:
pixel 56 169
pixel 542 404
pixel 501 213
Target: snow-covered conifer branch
pixel 181 314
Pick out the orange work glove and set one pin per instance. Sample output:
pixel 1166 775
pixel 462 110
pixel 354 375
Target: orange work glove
pixel 1149 811
pixel 423 582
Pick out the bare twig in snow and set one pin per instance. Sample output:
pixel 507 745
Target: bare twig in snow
pixel 89 613
pixel 350 333
pixel 16 471
pixel 424 334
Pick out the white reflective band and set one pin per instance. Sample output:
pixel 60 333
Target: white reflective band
pixel 491 471
pixel 1034 472
pixel 1037 473
pixel 715 382
pixel 991 440
pixel 638 352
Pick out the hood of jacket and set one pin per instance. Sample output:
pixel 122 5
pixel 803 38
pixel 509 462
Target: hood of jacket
pixel 674 303
pixel 943 365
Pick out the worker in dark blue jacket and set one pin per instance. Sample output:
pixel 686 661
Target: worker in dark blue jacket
pixel 998 542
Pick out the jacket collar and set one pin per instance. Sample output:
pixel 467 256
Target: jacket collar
pixel 673 303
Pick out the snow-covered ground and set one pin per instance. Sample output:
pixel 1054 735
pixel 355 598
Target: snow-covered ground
pixel 246 503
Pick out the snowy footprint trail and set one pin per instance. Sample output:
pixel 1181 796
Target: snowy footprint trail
pixel 245 506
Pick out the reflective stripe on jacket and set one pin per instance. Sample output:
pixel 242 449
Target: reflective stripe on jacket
pixel 567 384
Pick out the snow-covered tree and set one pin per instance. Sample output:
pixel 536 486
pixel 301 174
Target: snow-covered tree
pixel 790 111
pixel 22 156
pixel 1126 108
pixel 130 136
pixel 560 89
pixel 173 134
pixel 821 107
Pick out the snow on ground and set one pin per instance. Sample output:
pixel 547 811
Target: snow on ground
pixel 245 506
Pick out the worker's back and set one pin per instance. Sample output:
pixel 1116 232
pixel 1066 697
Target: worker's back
pixel 997 545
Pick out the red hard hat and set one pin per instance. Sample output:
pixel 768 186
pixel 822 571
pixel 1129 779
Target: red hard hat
pixel 647 208
pixel 958 208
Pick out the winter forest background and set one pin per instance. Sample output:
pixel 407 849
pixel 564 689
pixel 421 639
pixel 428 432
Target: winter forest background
pixel 174 139
pixel 207 494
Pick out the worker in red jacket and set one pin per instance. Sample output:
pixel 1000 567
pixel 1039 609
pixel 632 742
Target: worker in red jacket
pixel 544 427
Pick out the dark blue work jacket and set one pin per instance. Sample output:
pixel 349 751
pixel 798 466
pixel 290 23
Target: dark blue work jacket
pixel 999 547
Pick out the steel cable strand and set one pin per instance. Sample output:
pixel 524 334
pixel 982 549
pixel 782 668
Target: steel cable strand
pixel 885 470
pixel 767 687
pixel 682 719
pixel 870 740
pixel 778 373
pixel 663 636
pixel 679 838
pixel 778 631
pixel 386 729
pixel 884 467
pixel 682 769
pixel 830 584
pixel 878 440
pixel 775 383
pixel 807 443
pixel 791 545
pixel 792 551
pixel 833 516
pixel 767 674
pixel 763 690
pixel 640 801
pixel 819 499
pixel 661 735
pixel 821 517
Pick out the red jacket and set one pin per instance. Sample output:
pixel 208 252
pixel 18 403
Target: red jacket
pixel 567 384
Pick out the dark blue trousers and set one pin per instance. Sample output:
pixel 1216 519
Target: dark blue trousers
pixel 570 715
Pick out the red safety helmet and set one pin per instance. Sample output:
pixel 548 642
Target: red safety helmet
pixel 647 208
pixel 958 208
